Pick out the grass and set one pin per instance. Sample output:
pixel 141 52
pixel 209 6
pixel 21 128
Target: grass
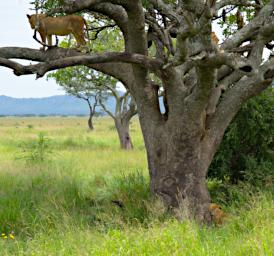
pixel 91 198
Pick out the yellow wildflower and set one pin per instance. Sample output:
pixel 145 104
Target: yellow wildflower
pixel 5 237
pixel 3 234
pixel 11 236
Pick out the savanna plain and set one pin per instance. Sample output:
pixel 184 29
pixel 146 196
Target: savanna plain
pixel 65 190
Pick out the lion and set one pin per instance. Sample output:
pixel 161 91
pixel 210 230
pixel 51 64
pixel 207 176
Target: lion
pixel 218 216
pixel 59 26
pixel 214 38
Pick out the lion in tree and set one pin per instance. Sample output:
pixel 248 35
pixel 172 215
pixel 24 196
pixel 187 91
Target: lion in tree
pixel 60 26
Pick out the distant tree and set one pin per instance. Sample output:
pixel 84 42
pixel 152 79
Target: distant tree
pixel 88 84
pixel 125 109
pixel 86 89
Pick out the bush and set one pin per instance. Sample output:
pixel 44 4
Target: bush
pixel 246 152
pixel 37 151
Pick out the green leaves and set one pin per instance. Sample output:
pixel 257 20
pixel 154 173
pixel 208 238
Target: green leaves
pixel 248 142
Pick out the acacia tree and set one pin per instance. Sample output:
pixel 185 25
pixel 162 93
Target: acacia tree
pixel 81 89
pixel 85 83
pixel 181 142
pixel 125 109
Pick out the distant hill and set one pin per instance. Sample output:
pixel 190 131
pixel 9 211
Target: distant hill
pixel 55 105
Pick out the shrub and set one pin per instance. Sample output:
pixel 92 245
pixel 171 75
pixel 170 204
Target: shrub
pixel 37 151
pixel 247 147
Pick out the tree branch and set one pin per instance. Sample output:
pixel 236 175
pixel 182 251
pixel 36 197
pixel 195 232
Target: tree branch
pixel 113 91
pixel 17 68
pixel 128 114
pixel 238 94
pixel 251 29
pixel 105 109
pixel 224 3
pixel 80 5
pixel 165 9
pixel 57 62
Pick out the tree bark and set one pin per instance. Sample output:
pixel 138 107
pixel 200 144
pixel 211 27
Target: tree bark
pixel 122 127
pixel 91 113
pixel 90 122
pixel 125 109
pixel 178 165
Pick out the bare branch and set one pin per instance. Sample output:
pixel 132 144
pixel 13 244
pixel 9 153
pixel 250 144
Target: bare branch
pixel 251 29
pixel 56 63
pixel 165 9
pixel 79 5
pixel 40 42
pixel 105 109
pixel 242 90
pixel 113 91
pixel 224 3
pixel 17 68
pixel 98 30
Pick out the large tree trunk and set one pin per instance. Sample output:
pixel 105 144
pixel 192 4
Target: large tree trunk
pixel 122 127
pixel 178 168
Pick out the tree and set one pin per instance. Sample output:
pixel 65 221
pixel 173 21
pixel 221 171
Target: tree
pixel 194 74
pixel 80 88
pixel 125 109
pixel 84 83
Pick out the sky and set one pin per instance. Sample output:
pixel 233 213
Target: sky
pixel 15 31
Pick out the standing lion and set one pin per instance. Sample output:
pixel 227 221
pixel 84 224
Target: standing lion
pixel 60 26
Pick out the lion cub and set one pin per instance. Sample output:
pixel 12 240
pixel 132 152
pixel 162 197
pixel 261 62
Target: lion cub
pixel 60 26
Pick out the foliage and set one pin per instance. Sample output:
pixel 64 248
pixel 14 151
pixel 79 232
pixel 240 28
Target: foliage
pixel 246 152
pixel 229 26
pixel 45 5
pixel 76 80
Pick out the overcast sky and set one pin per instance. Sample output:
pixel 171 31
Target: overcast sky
pixel 15 31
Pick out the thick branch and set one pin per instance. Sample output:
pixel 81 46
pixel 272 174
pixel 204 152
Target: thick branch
pixel 238 94
pixel 224 3
pixel 57 62
pixel 230 105
pixel 105 109
pixel 165 9
pixel 18 68
pixel 80 5
pixel 131 111
pixel 250 29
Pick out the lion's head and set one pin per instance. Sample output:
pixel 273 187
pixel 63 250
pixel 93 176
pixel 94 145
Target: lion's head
pixel 34 20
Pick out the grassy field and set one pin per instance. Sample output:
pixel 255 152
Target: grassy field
pixel 59 184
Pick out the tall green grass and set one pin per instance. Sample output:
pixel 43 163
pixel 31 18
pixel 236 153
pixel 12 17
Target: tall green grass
pixel 91 198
